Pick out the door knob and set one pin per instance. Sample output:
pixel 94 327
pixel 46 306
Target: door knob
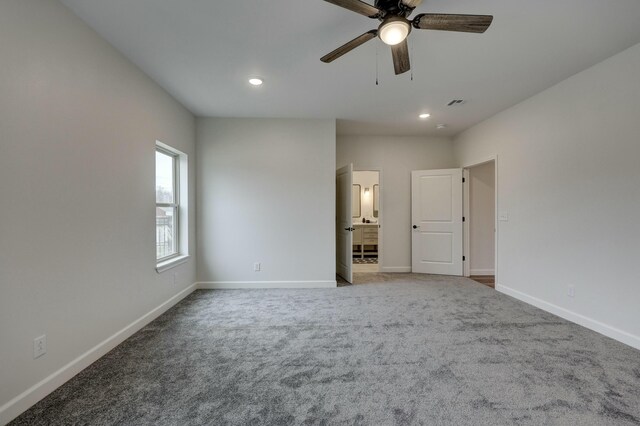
pixel 415 227
pixel 350 229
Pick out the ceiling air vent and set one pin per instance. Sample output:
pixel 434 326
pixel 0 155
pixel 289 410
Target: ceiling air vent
pixel 456 102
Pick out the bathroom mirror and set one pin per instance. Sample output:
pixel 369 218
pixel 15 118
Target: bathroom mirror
pixel 356 203
pixel 376 199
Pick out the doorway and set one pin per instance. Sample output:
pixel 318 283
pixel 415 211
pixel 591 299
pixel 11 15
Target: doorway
pixel 480 226
pixel 366 215
pixel 455 221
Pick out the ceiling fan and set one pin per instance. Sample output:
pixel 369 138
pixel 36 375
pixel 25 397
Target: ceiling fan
pixel 396 26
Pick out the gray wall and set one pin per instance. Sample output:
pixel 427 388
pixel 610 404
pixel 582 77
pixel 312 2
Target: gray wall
pixel 78 126
pixel 397 157
pixel 266 193
pixel 568 177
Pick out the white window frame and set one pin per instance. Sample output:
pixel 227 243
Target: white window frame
pixel 175 205
pixel 180 207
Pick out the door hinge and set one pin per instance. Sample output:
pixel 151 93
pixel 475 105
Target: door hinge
pixel 463 180
pixel 464 258
pixel 464 219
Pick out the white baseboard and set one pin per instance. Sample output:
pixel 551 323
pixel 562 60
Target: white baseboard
pixel 597 326
pixel 35 393
pixel 396 269
pixel 238 285
pixel 482 272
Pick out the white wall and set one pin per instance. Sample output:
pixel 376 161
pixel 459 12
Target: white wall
pixel 366 179
pixel 482 219
pixel 266 191
pixel 78 126
pixel 568 177
pixel 397 157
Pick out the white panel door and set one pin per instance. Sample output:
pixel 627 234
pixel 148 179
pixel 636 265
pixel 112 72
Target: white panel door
pixel 436 213
pixel 344 226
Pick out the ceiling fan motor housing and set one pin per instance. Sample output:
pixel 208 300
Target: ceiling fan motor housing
pixel 392 7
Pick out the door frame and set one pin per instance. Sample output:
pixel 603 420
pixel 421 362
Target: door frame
pixel 465 207
pixel 380 211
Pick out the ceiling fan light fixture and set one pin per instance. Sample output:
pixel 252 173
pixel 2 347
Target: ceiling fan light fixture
pixel 424 116
pixel 394 30
pixel 256 81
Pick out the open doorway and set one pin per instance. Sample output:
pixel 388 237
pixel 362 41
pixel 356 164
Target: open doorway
pixel 480 223
pixel 366 221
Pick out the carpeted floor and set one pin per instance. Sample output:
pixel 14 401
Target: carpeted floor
pixel 405 350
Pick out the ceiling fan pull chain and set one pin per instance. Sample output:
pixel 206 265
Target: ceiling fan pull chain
pixel 413 56
pixel 377 84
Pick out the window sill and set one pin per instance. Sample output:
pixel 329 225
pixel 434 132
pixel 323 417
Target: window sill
pixel 171 263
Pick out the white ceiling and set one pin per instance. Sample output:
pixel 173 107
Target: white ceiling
pixel 203 51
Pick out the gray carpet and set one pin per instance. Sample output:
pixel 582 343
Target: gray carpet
pixel 406 350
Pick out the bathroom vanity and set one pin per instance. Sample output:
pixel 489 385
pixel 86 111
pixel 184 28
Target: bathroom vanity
pixel 365 239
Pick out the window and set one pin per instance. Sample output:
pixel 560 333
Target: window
pixel 172 207
pixel 167 205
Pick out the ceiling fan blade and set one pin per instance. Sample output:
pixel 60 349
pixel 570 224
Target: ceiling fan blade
pixel 348 47
pixel 400 53
pixel 444 22
pixel 359 7
pixel 412 3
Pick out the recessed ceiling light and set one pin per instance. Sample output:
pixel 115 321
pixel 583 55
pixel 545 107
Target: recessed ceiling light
pixel 441 126
pixel 424 116
pixel 256 81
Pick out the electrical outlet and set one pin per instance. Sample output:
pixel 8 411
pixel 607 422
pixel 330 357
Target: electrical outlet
pixel 571 291
pixel 39 346
pixel 257 266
